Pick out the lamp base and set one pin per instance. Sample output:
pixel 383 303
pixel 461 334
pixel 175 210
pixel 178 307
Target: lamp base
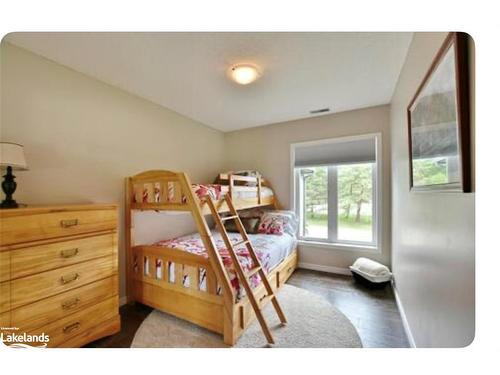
pixel 9 204
pixel 9 187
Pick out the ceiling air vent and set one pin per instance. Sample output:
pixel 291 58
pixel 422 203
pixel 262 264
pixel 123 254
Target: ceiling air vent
pixel 316 111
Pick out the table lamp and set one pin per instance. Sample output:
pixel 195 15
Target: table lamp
pixel 12 157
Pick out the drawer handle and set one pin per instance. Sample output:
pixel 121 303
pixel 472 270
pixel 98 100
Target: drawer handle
pixel 69 223
pixel 288 270
pixel 262 298
pixel 69 253
pixel 69 278
pixel 71 327
pixel 70 303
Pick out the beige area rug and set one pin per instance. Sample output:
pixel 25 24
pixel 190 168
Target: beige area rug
pixel 312 323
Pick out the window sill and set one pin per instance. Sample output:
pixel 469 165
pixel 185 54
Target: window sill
pixel 341 247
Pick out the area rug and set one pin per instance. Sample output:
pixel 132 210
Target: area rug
pixel 312 323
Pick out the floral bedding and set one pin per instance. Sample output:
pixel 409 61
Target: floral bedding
pixel 212 190
pixel 270 250
pixel 272 225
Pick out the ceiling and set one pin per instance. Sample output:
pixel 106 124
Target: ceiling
pixel 187 72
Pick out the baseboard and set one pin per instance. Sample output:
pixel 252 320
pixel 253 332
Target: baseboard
pixel 401 309
pixel 123 300
pixel 330 269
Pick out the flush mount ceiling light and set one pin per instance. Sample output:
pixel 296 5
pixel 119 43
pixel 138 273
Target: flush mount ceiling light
pixel 244 73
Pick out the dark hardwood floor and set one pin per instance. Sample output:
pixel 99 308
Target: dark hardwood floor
pixel 131 317
pixel 373 312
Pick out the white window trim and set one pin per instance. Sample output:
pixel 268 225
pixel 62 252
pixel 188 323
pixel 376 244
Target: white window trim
pixel 377 193
pixel 339 246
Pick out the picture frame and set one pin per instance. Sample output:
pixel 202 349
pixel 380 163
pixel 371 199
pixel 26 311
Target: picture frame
pixel 439 122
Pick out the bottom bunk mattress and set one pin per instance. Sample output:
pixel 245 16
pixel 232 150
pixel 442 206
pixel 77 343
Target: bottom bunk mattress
pixel 270 249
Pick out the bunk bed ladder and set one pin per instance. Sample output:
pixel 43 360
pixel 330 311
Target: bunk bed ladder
pixel 257 266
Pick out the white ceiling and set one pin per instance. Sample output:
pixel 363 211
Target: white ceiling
pixel 187 72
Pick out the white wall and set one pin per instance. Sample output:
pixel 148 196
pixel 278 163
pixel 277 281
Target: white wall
pixel 82 137
pixel 267 149
pixel 432 233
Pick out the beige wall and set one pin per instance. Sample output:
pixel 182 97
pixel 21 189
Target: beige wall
pixel 267 149
pixel 82 137
pixel 432 233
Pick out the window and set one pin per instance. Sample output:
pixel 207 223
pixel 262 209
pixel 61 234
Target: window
pixel 315 216
pixel 336 190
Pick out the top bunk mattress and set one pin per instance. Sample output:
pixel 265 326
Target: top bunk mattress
pixel 270 249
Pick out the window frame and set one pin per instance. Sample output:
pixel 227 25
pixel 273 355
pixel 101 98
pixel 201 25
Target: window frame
pixel 296 199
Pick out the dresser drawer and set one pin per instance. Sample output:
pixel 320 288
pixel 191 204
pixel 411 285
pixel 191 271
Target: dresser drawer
pixel 31 260
pixel 103 329
pixel 59 306
pixel 33 288
pixel 26 228
pixel 74 324
pixel 4 320
pixel 4 296
pixel 4 266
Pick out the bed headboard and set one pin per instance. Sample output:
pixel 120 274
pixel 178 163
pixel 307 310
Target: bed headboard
pixel 158 190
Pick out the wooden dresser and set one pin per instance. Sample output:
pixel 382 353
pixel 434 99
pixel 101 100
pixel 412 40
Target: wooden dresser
pixel 59 272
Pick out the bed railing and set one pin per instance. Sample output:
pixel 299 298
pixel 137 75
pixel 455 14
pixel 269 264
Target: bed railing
pixel 175 269
pixel 158 190
pixel 166 190
pixel 233 181
pixel 180 283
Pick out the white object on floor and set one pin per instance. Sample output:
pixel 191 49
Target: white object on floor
pixel 371 270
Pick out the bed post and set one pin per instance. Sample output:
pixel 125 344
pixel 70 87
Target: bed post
pixel 129 191
pixel 276 204
pixel 214 258
pixel 231 185
pixel 259 190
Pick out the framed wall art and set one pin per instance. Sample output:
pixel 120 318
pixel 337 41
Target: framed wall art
pixel 439 122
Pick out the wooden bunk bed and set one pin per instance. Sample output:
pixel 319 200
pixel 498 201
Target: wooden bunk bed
pixel 216 307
